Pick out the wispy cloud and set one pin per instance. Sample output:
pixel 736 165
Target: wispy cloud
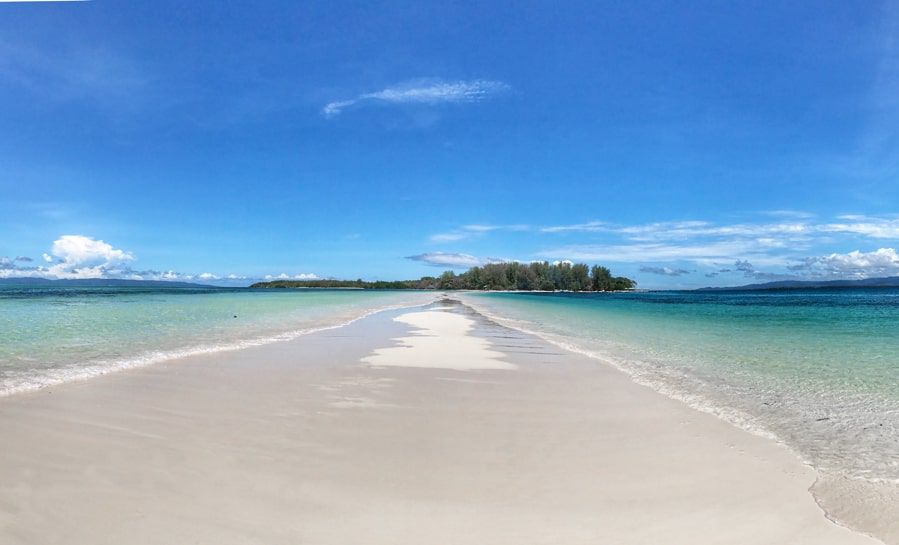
pixel 664 271
pixel 422 92
pixel 797 232
pixel 453 260
pixel 682 230
pixel 863 225
pixel 450 237
pixel 709 253
pixel 588 227
pixel 474 230
pixel 486 228
pixel 794 214
pixel 73 72
pixel 779 242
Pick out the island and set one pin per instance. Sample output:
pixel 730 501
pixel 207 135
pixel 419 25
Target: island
pixel 534 276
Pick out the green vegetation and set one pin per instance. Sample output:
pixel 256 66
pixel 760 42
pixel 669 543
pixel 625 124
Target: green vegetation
pixel 495 276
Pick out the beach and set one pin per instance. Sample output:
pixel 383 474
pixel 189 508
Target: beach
pixel 428 424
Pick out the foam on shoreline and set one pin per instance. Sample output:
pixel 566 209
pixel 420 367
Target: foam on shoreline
pixel 60 375
pixel 306 442
pixel 845 500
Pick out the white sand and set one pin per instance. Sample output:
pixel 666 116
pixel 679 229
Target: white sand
pixel 440 340
pixel 300 442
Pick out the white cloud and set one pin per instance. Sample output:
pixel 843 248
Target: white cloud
pixel 692 229
pixel 866 226
pixel 486 228
pixel 449 237
pixel 79 256
pixel 664 271
pixel 285 276
pixel 708 253
pixel 76 250
pixel 422 92
pixel 474 230
pixel 856 264
pixel 799 229
pixel 589 227
pixel 793 214
pixel 453 260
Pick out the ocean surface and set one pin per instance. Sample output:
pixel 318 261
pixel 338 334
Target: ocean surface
pixel 50 335
pixel 817 370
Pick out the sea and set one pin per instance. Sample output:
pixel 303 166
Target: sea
pixel 51 335
pixel 816 370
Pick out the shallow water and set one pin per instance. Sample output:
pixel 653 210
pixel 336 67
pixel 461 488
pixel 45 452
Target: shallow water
pixel 53 335
pixel 817 370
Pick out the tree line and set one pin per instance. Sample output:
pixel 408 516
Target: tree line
pixel 541 275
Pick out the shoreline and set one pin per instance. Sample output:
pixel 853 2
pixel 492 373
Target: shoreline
pixel 485 423
pixel 845 501
pixel 62 376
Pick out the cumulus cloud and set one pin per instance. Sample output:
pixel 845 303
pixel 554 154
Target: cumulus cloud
pixel 852 265
pixel 77 250
pixel 73 256
pixel 422 92
pixel 81 257
pixel 453 260
pixel 664 271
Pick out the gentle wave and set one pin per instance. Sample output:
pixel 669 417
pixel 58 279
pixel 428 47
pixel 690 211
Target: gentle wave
pixel 643 377
pixel 833 489
pixel 56 376
pixel 681 386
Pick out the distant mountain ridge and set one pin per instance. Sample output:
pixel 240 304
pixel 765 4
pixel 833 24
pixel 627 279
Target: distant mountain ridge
pixel 98 283
pixel 885 282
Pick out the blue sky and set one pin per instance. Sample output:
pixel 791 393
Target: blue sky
pixel 681 144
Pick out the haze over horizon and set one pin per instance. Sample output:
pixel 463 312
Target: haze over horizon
pixel 680 145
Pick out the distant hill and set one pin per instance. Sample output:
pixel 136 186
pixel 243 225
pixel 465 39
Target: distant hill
pixel 888 282
pixel 99 283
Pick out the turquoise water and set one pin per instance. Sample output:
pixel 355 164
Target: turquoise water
pixel 52 335
pixel 817 370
